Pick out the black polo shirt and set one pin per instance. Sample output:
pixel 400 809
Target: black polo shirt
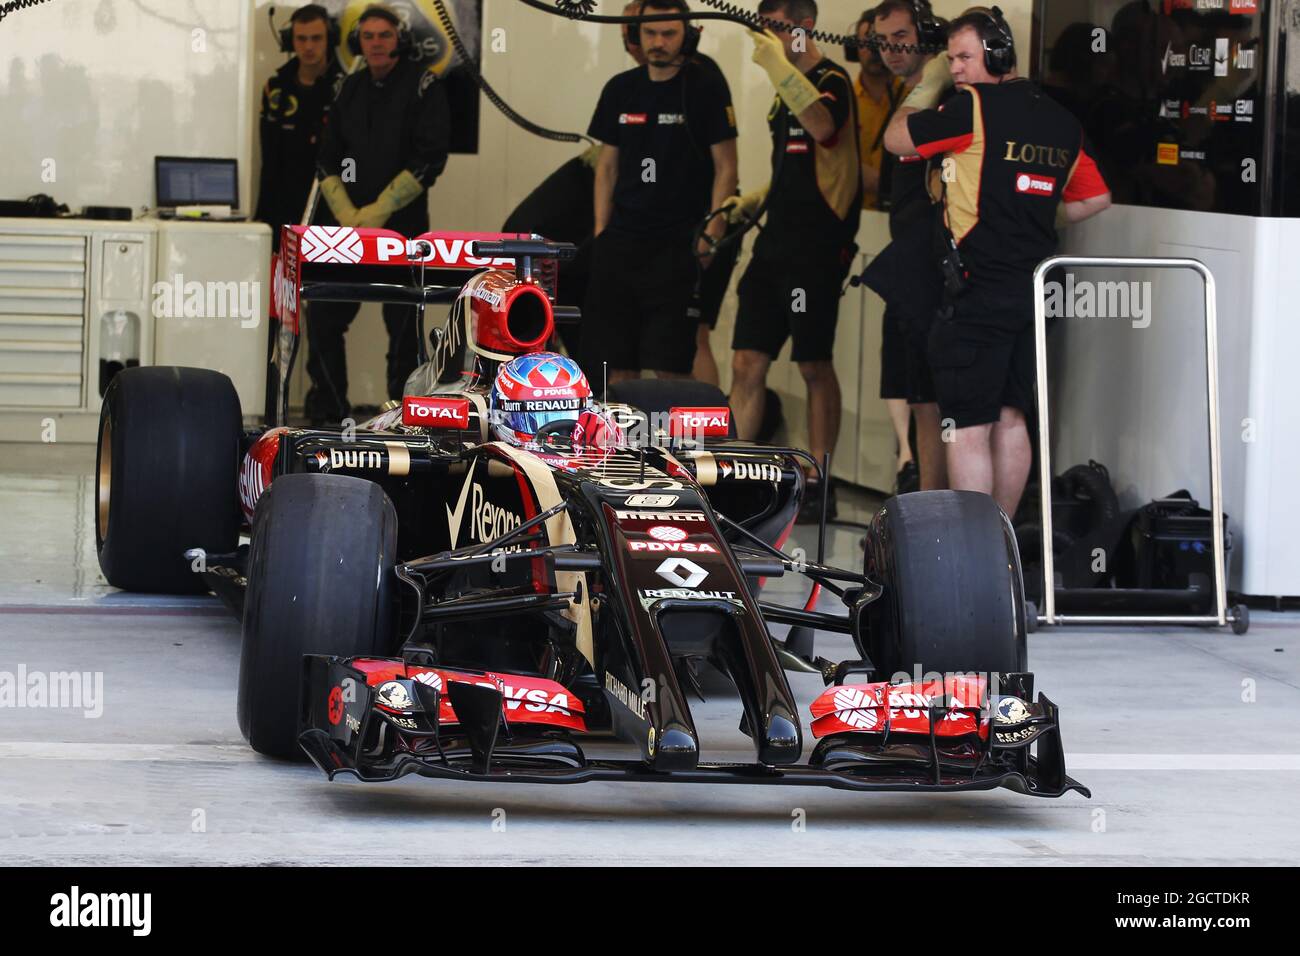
pixel 817 200
pixel 664 132
pixel 1018 154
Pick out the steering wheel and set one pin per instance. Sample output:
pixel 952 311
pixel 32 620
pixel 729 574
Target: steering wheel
pixel 560 428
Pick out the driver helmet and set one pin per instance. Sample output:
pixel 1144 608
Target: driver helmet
pixel 535 390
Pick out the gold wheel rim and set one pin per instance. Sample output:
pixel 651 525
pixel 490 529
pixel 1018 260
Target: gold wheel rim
pixel 104 485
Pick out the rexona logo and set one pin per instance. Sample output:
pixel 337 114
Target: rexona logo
pixel 1035 185
pixel 709 422
pixel 1172 60
pixel 487 521
pixel 430 412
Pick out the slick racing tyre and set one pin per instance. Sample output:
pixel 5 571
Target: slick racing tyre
pixel 953 595
pixel 167 467
pixel 320 581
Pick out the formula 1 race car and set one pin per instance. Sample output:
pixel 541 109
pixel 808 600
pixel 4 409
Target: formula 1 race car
pixel 499 568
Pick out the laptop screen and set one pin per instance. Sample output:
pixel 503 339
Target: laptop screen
pixel 181 181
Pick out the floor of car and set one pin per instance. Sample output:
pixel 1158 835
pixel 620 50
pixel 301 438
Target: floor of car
pixel 1181 733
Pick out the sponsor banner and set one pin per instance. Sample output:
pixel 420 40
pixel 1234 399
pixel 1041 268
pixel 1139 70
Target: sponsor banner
pixel 749 470
pixel 633 119
pixel 659 547
pixel 438 250
pixel 1167 154
pixel 695 516
pixel 524 699
pixel 433 412
pixel 709 422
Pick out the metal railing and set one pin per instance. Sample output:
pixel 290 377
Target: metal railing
pixel 1220 617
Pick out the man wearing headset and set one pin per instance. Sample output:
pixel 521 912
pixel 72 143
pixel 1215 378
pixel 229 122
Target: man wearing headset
pixel 384 145
pixel 1018 165
pixel 668 157
pixel 295 104
pixel 791 288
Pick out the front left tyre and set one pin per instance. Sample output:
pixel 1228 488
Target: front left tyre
pixel 320 581
pixel 167 466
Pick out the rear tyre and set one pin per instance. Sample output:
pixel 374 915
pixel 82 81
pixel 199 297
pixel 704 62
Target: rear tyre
pixel 953 594
pixel 320 581
pixel 167 466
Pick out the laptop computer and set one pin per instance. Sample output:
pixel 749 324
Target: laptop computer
pixel 197 188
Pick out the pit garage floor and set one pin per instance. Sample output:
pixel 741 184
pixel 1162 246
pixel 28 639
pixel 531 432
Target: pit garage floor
pixel 1187 738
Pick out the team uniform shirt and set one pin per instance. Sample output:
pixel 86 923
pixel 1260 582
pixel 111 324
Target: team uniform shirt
pixel 291 122
pixel 675 123
pixel 384 126
pixel 815 205
pixel 1018 153
pixel 873 117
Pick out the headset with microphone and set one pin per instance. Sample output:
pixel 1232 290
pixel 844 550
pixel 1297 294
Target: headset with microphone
pixel 405 42
pixel 999 46
pixel 931 33
pixel 285 34
pixel 691 42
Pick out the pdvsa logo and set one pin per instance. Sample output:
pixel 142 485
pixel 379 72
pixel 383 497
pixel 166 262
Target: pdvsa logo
pixel 1035 185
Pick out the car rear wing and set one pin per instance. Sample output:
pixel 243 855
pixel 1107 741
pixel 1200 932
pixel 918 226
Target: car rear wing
pixel 341 263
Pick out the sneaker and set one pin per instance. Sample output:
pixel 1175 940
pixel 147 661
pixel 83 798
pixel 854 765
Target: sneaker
pixel 908 479
pixel 810 512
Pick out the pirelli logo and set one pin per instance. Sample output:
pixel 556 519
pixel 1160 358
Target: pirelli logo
pixel 633 119
pixel 1035 185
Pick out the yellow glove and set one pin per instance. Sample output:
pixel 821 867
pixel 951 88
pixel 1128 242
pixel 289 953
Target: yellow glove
pixel 401 192
pixel 935 79
pixel 590 155
pixel 742 208
pixel 336 195
pixel 792 86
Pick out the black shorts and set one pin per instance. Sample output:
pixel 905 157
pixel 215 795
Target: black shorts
pixel 638 292
pixel 779 301
pixel 712 287
pixel 893 357
pixel 982 358
pixel 920 381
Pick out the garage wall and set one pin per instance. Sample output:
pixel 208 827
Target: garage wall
pixel 552 72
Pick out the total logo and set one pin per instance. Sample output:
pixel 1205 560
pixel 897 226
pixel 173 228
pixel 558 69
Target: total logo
pixel 749 471
pixel 1035 185
pixel 427 411
pixel 682 573
pixel 1243 6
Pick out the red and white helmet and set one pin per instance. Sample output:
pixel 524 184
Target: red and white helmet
pixel 536 390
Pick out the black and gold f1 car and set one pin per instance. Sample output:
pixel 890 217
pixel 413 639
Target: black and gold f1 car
pixel 419 598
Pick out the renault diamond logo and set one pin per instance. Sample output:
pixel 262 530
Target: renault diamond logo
pixel 682 573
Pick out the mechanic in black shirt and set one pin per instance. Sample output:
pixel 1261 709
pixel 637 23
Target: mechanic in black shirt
pixel 1021 164
pixel 793 283
pixel 295 105
pixel 384 145
pixel 669 157
pixel 912 32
